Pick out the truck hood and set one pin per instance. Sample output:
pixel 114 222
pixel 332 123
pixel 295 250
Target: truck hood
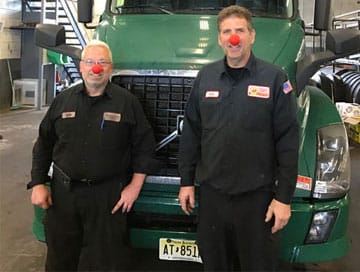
pixel 170 42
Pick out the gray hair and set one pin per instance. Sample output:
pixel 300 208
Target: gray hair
pixel 96 43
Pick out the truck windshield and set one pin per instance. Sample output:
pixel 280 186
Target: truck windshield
pixel 263 8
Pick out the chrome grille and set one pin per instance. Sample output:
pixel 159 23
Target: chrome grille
pixel 163 99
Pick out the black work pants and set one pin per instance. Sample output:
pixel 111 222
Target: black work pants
pixel 232 233
pixel 81 233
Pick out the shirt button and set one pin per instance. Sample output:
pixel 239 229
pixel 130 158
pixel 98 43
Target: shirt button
pixel 88 125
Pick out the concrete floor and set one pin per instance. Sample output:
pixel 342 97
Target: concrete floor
pixel 19 251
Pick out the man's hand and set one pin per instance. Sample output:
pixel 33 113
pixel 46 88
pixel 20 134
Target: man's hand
pixel 282 213
pixel 130 194
pixel 40 196
pixel 187 199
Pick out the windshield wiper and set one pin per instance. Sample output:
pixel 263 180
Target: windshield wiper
pixel 147 6
pixel 207 8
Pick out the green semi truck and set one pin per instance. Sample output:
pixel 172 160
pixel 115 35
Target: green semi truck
pixel 158 48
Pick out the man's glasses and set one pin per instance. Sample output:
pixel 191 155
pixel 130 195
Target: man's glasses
pixel 90 62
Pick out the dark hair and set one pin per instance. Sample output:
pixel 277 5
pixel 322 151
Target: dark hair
pixel 236 11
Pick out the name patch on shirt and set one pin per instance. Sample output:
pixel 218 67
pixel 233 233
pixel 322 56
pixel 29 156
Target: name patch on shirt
pixel 258 91
pixel 68 114
pixel 112 116
pixel 212 94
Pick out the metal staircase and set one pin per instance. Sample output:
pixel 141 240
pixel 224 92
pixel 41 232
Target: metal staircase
pixel 74 36
pixel 59 12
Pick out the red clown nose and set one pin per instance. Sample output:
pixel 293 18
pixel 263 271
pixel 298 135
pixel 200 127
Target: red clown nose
pixel 234 39
pixel 97 69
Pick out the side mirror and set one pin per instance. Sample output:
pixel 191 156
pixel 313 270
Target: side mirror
pixel 52 37
pixel 322 14
pixel 84 8
pixel 343 42
pixel 49 35
pixel 339 43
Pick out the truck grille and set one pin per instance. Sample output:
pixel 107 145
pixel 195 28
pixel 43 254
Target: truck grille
pixel 170 222
pixel 163 99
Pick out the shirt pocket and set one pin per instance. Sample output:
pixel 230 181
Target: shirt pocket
pixel 256 115
pixel 210 110
pixel 115 135
pixel 65 129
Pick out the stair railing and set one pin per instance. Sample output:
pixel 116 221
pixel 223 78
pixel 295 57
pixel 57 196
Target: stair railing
pixel 73 22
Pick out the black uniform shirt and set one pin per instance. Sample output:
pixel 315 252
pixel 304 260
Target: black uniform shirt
pixel 93 137
pixel 241 134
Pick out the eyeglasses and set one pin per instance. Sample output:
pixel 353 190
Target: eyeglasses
pixel 90 62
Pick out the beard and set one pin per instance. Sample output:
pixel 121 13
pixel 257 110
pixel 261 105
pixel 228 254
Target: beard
pixel 96 84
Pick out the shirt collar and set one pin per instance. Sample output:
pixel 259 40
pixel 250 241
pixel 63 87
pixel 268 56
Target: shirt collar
pixel 80 88
pixel 250 65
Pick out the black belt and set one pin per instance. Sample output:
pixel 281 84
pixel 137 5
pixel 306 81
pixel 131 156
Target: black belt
pixel 86 181
pixel 60 175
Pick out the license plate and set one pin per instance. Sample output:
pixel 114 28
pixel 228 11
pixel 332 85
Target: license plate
pixel 178 250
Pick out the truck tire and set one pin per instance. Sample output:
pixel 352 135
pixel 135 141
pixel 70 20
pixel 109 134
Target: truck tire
pixel 352 80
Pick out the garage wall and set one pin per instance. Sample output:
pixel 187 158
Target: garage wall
pixel 10 48
pixel 11 40
pixel 338 7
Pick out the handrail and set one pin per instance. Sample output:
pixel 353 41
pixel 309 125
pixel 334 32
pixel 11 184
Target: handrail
pixel 348 13
pixel 27 4
pixel 346 20
pixel 73 23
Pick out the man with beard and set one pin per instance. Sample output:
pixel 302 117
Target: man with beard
pixel 101 146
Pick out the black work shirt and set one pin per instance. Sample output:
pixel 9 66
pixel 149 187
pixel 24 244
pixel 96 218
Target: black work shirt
pixel 241 135
pixel 93 137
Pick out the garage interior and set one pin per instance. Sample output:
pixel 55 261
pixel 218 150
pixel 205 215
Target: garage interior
pixel 21 66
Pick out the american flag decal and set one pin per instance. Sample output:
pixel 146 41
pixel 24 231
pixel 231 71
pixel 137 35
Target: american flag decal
pixel 287 88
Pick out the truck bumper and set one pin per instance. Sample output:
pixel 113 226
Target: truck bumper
pixel 37 225
pixel 293 247
pixel 147 238
pixel 317 252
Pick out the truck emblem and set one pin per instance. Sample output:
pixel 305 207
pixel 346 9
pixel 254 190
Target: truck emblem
pixel 173 135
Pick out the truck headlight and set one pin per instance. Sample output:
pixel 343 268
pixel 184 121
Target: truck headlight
pixel 321 227
pixel 332 172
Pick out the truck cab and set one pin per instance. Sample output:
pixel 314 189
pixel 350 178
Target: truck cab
pixel 158 48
